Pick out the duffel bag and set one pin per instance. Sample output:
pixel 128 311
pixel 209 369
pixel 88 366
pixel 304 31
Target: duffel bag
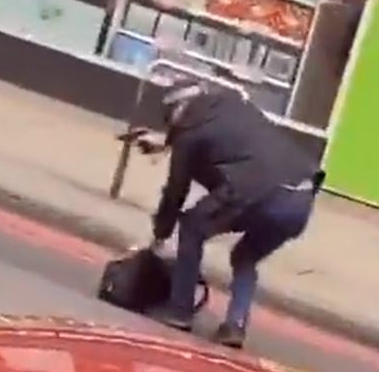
pixel 141 281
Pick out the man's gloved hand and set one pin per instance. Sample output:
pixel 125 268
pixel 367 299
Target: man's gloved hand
pixel 133 134
pixel 150 144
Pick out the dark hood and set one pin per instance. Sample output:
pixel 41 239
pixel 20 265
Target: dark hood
pixel 201 110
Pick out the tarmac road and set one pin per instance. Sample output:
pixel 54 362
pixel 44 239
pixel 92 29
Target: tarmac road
pixel 46 272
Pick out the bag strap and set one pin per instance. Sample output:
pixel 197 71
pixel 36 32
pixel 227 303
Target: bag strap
pixel 157 245
pixel 204 299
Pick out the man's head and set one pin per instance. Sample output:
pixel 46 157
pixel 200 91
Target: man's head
pixel 178 96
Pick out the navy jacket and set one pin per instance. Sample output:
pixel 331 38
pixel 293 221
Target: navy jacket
pixel 229 147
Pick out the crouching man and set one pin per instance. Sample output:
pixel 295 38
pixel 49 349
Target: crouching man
pixel 259 182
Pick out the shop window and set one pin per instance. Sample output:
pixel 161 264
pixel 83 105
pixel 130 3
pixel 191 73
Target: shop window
pixel 224 46
pixel 242 51
pixel 132 51
pixel 202 39
pixel 280 65
pixel 171 27
pixel 140 19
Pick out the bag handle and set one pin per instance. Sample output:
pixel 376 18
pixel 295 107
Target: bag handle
pixel 204 297
pixel 156 245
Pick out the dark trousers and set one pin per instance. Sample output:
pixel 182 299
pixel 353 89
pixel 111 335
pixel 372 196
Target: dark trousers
pixel 266 225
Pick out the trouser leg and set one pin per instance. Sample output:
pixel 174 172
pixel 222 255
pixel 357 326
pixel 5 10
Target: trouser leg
pixel 267 227
pixel 196 226
pixel 186 272
pixel 245 256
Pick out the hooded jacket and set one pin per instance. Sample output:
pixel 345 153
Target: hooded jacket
pixel 229 147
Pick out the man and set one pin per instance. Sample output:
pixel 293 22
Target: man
pixel 259 182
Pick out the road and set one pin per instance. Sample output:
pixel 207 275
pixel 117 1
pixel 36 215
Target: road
pixel 46 272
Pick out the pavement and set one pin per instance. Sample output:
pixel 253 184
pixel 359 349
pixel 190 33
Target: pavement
pixel 54 275
pixel 56 165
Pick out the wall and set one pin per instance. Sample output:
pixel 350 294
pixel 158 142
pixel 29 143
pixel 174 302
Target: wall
pixel 322 66
pixel 352 157
pixel 74 79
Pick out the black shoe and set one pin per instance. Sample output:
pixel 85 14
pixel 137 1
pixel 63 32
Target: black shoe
pixel 231 335
pixel 175 319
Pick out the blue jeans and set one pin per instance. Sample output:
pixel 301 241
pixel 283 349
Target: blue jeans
pixel 266 226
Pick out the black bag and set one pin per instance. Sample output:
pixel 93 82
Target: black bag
pixel 142 281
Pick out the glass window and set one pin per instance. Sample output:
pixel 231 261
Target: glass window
pixel 202 39
pixel 224 46
pixel 132 51
pixel 140 19
pixel 242 51
pixel 171 26
pixel 280 65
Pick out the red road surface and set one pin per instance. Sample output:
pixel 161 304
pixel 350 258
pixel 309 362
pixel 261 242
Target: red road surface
pixel 273 334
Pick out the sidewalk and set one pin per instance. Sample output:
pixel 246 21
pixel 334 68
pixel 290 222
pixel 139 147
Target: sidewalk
pixel 56 163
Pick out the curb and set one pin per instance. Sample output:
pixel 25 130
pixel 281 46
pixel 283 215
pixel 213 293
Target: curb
pixel 65 221
pixel 320 317
pixel 313 315
pixel 117 241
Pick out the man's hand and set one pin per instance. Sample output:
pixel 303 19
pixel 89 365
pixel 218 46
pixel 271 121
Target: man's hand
pixel 150 144
pixel 133 134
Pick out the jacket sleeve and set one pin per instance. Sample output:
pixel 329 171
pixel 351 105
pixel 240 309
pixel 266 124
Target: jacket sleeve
pixel 175 191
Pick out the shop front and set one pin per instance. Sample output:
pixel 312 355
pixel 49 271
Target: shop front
pixel 296 45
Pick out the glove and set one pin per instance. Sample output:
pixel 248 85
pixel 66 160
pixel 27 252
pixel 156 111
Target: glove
pixel 133 135
pixel 150 144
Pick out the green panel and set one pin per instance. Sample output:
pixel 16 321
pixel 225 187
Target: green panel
pixel 353 156
pixel 68 24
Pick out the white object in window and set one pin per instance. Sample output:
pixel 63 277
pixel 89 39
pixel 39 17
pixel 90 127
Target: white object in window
pixel 140 19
